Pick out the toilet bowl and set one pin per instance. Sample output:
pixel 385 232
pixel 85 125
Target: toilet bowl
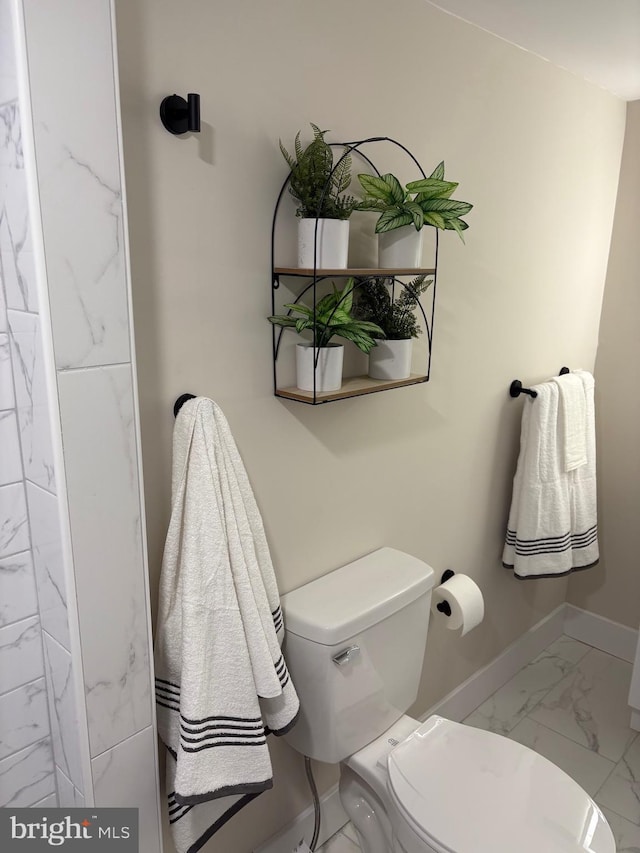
pixel 355 642
pixel 449 787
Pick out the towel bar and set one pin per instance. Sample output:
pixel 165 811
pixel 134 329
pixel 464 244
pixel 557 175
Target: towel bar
pixel 515 389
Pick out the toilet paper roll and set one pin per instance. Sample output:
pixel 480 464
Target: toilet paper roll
pixel 465 600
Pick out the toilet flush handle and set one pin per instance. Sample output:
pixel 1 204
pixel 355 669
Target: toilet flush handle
pixel 346 656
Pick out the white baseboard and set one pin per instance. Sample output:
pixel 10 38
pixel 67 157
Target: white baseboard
pixel 478 687
pixel 601 633
pixel 334 818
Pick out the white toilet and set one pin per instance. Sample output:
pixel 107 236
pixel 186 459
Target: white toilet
pixel 355 642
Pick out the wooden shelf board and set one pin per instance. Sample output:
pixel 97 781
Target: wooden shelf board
pixel 352 386
pixel 360 271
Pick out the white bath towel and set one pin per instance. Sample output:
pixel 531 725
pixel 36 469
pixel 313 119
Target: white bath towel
pixel 221 680
pixel 573 418
pixel 552 527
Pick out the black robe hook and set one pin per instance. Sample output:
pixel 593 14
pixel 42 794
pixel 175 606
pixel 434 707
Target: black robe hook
pixel 179 403
pixel 179 116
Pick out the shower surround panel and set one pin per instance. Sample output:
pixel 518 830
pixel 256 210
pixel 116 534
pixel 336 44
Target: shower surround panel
pixel 76 716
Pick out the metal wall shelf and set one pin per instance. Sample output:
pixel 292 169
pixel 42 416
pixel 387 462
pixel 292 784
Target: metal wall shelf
pixel 352 386
pixel 358 272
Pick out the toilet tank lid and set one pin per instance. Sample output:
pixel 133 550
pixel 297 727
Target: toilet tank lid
pixel 350 599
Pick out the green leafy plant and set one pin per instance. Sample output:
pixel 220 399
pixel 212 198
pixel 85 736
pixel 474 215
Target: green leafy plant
pixel 314 183
pixel 396 317
pixel 332 317
pixel 423 202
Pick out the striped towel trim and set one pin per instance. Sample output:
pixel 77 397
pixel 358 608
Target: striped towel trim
pixel 278 621
pixel 167 694
pixel 282 672
pixel 175 810
pixel 552 544
pixel 212 732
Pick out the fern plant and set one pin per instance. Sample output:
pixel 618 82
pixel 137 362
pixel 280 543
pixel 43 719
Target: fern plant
pixel 423 202
pixel 396 317
pixel 315 183
pixel 331 318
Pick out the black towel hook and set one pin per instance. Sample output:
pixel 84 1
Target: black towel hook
pixel 179 116
pixel 179 403
pixel 515 389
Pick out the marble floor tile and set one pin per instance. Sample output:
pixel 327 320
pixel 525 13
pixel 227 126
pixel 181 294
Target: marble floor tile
pixel 350 831
pixel 627 834
pixel 587 768
pixel 568 648
pixel 589 705
pixel 512 702
pixel 621 791
pixel 339 843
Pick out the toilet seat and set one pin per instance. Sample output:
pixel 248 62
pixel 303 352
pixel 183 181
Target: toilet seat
pixel 470 791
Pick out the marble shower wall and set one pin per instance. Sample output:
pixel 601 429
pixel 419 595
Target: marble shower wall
pixel 27 769
pixel 74 107
pixel 73 599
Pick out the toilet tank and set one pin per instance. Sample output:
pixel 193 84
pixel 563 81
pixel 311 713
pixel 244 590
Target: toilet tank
pixel 355 642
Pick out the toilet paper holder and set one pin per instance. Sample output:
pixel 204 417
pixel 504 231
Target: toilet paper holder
pixel 444 606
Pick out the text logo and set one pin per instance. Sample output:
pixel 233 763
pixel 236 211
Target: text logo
pixel 73 830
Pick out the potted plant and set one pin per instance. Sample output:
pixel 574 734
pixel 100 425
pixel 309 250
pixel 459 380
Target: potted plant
pixel 331 318
pixel 391 358
pixel 324 210
pixel 404 212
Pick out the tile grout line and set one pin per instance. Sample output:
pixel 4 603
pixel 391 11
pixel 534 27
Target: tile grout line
pixel 573 743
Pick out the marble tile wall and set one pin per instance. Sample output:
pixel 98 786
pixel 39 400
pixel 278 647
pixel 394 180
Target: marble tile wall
pixel 41 754
pixel 67 398
pixel 27 772
pixel 72 73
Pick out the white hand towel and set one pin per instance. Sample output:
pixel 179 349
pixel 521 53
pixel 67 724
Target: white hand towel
pixel 552 527
pixel 584 508
pixel 222 683
pixel 573 417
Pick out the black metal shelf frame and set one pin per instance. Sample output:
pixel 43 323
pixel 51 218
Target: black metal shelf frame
pixel 318 276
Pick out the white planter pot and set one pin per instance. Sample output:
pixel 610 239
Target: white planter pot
pixel 400 248
pixel 391 360
pixel 332 238
pixel 328 370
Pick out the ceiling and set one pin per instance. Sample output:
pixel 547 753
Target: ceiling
pixel 598 40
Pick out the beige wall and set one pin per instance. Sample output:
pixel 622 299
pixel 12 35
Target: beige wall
pixel 614 591
pixel 426 469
